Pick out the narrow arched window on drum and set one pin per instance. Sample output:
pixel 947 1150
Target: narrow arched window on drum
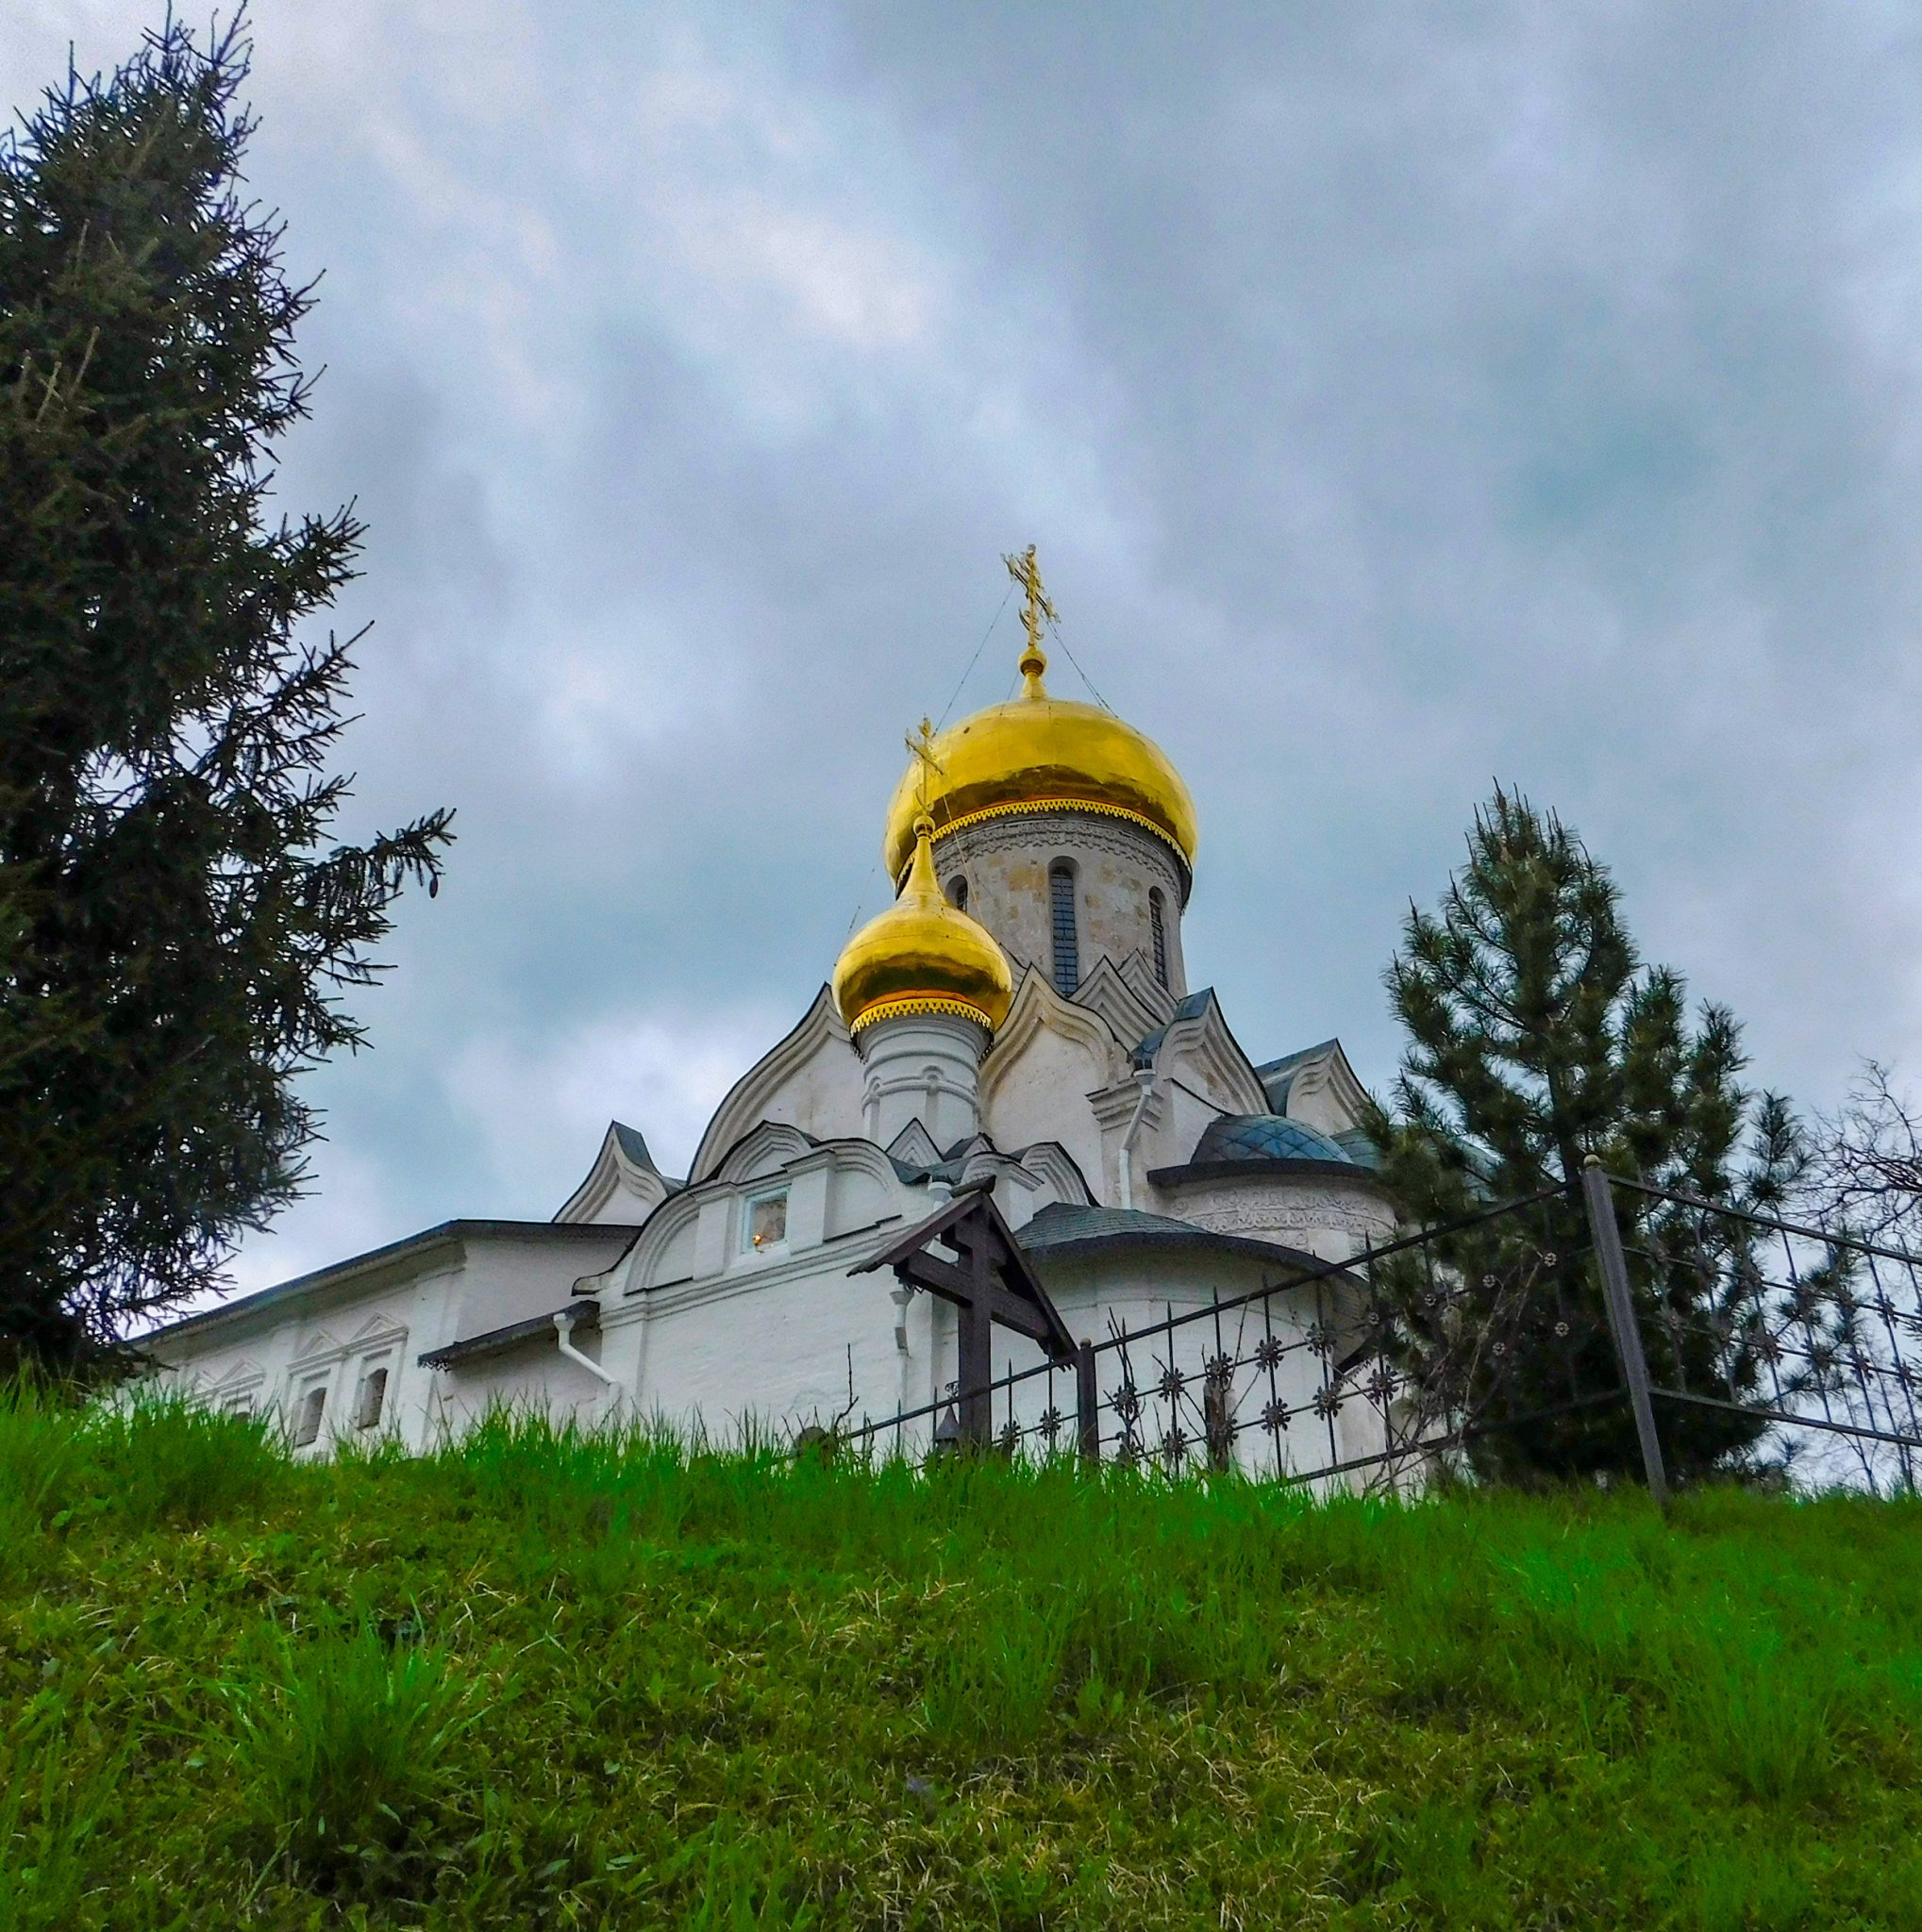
pixel 1067 939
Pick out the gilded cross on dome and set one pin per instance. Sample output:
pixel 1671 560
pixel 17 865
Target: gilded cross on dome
pixel 923 748
pixel 1026 573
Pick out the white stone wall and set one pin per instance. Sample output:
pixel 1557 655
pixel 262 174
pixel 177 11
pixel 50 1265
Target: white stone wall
pixel 533 1378
pixel 762 1352
pixel 765 1344
pixel 811 1080
pixel 1040 1092
pixel 1324 1214
pixel 921 1067
pixel 266 1363
pixel 335 1333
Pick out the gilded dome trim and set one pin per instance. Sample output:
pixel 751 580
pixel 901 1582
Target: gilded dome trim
pixel 1022 808
pixel 906 1005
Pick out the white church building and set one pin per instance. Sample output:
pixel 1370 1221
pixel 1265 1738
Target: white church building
pixel 1021 1018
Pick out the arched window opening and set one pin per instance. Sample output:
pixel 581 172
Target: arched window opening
pixel 1061 889
pixel 1158 927
pixel 958 893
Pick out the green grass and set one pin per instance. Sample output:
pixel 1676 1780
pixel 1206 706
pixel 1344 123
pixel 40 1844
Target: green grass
pixel 550 1680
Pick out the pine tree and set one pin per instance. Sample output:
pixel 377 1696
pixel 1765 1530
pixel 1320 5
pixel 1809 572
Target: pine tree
pixel 173 937
pixel 1536 1038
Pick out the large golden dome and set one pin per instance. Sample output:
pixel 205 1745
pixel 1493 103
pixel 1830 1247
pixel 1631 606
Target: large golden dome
pixel 922 956
pixel 1038 752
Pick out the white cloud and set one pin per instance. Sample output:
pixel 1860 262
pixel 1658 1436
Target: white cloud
pixel 358 1203
pixel 863 289
pixel 543 1103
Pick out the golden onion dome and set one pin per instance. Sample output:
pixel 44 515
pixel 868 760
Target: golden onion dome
pixel 922 956
pixel 1038 752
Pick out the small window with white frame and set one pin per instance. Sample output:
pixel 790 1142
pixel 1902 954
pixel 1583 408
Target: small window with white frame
pixel 767 1221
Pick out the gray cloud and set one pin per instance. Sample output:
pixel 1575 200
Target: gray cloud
pixel 1401 398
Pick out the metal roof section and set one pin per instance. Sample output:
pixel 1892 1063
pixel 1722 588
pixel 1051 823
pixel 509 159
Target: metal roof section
pixel 1265 1136
pixel 1277 1077
pixel 1190 1008
pixel 582 1314
pixel 622 1166
pixel 634 1145
pixel 912 1150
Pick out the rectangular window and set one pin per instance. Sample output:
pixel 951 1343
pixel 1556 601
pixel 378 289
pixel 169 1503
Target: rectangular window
pixel 307 1418
pixel 1161 937
pixel 370 1399
pixel 767 1221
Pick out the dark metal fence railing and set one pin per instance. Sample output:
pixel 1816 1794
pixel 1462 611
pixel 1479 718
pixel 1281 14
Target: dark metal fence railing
pixel 1807 1339
pixel 1570 1328
pixel 1373 1369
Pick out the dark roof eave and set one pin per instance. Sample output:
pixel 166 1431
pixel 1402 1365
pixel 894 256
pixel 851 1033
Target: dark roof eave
pixel 1269 1165
pixel 444 1234
pixel 585 1311
pixel 1202 1240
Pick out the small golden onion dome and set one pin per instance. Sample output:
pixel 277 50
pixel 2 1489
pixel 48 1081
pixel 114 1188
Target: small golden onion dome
pixel 922 956
pixel 1038 752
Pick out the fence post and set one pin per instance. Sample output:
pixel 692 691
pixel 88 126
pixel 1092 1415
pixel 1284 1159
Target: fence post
pixel 1087 1405
pixel 1621 1307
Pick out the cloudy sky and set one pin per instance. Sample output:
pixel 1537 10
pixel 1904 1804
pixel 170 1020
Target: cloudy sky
pixel 1402 397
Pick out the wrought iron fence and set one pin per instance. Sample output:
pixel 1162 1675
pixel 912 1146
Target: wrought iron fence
pixel 1551 1333
pixel 1374 1369
pixel 1808 1340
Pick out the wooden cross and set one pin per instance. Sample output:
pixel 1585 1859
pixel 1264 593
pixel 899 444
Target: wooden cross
pixel 990 1282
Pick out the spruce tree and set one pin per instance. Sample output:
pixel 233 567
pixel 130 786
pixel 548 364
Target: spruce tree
pixel 175 934
pixel 1535 1039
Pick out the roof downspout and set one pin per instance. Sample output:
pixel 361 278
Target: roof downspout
pixel 1145 1079
pixel 563 1327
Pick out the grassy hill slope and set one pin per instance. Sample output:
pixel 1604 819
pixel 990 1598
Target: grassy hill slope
pixel 566 1682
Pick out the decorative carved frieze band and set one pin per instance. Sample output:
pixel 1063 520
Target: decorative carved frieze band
pixel 1044 833
pixel 1299 1211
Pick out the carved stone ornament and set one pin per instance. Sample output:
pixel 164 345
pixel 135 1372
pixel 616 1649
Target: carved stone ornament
pixel 1251 1211
pixel 1047 832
